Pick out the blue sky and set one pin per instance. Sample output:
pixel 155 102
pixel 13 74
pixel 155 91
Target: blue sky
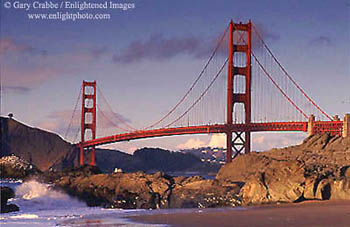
pixel 43 61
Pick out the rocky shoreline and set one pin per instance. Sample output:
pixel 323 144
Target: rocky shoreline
pixel 318 169
pixel 7 193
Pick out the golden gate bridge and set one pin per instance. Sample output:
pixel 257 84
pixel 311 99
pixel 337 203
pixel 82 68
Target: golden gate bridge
pixel 241 89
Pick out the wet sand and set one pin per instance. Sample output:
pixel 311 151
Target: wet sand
pixel 310 213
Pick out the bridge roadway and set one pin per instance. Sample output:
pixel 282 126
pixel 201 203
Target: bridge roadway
pixel 204 129
pixel 217 128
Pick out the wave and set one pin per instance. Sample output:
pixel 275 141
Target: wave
pixel 33 195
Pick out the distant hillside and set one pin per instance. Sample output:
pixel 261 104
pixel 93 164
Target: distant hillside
pixel 213 155
pixel 37 146
pixel 153 159
pixel 107 160
pixel 45 150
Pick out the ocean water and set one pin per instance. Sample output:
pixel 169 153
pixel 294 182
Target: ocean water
pixel 40 205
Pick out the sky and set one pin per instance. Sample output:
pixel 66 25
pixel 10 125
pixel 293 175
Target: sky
pixel 43 62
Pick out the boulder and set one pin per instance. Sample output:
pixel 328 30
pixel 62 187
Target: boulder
pixel 284 180
pixel 243 166
pixel 254 191
pixel 7 193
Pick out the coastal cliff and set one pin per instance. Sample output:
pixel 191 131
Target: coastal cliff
pixel 34 145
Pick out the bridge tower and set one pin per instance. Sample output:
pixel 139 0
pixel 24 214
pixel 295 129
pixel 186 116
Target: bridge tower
pixel 239 42
pixel 88 118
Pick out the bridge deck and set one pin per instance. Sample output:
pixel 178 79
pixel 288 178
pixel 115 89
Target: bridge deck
pixel 204 129
pixel 326 126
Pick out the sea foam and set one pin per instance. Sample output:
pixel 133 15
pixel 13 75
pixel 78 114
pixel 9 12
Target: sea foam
pixel 33 195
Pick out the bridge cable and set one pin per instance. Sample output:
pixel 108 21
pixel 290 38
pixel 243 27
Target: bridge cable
pixel 110 121
pixel 73 114
pixel 110 108
pixel 194 83
pixel 287 74
pixel 201 96
pixel 277 86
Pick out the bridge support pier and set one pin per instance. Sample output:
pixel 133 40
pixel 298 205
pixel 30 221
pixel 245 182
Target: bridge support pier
pixel 228 147
pixel 310 125
pixel 346 126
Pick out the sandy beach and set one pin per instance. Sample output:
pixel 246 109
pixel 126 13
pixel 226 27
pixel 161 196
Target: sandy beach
pixel 310 213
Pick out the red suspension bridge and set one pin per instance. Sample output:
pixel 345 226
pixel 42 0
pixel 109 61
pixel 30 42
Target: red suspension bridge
pixel 242 88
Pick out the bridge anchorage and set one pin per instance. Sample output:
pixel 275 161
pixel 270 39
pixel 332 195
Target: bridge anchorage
pixel 243 91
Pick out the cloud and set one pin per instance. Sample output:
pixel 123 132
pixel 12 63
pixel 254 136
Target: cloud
pixel 22 80
pixel 22 72
pixel 321 41
pixel 59 121
pixel 98 52
pixel 157 47
pixel 192 143
pixel 15 89
pixel 265 33
pixel 267 141
pixel 9 45
pixel 109 119
pixel 63 123
pixel 260 141
pixel 217 140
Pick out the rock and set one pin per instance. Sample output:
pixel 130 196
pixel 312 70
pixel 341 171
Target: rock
pixel 143 190
pixel 204 194
pixel 338 188
pixel 310 187
pixel 307 171
pixel 242 167
pixel 254 191
pixel 15 167
pixel 148 191
pixel 120 190
pixel 191 180
pixel 316 169
pixel 7 193
pixel 284 180
pixel 71 172
pixel 324 189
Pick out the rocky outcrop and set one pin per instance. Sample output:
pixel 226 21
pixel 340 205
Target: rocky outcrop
pixel 15 167
pixel 144 191
pixel 7 193
pixel 318 169
pixel 120 190
pixel 278 176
